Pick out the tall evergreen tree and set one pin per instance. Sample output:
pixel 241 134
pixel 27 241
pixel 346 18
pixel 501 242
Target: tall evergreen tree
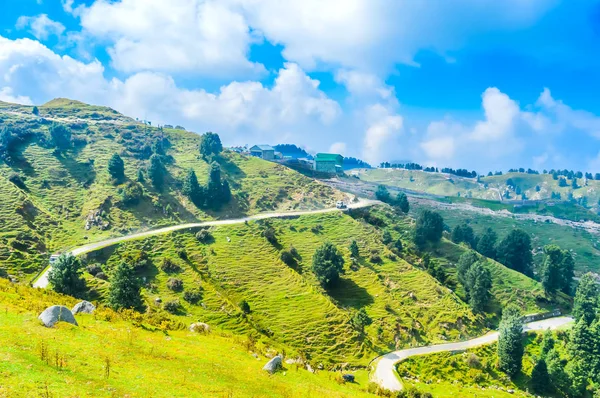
pixel 192 189
pixel 465 261
pixel 124 290
pixel 557 270
pixel 402 202
pixel 510 343
pixel 354 251
pixel 140 176
pixel 157 171
pixel 486 245
pixel 479 280
pixel 65 276
pixel 585 303
pixel 429 227
pixel 210 144
pixel 540 380
pixel 116 167
pixel 383 194
pixel 514 251
pixel 327 264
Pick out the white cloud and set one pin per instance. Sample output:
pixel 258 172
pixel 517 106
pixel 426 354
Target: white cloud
pixel 373 35
pixel 241 112
pixel 554 116
pixel 6 95
pixel 384 128
pixel 500 115
pixel 193 36
pixel 40 26
pixel 338 147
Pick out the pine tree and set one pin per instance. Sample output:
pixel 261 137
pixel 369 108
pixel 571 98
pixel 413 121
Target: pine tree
pixel 157 171
pixel 540 380
pixel 402 202
pixel 547 343
pixel 327 264
pixel 510 343
pixel 210 144
pixel 65 276
pixel 124 290
pixel 35 111
pixel 192 189
pixel 354 251
pixel 585 303
pixel 479 280
pixel 465 261
pixel 386 237
pixel 116 167
pixel 486 245
pixel 140 176
pixel 61 136
pixel 514 251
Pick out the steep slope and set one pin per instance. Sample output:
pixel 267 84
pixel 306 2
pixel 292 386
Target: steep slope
pixel 70 187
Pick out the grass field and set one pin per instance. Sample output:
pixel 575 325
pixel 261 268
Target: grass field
pixel 108 358
pixel 451 374
pixel 61 190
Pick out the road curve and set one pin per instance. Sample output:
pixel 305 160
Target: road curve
pixel 385 368
pixel 42 280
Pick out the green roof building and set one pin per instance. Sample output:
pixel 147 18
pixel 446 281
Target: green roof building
pixel 331 163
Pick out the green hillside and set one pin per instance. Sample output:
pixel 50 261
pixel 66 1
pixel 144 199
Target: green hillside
pixel 59 191
pixel 112 355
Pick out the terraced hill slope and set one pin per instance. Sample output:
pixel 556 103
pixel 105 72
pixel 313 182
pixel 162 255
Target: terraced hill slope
pixel 52 195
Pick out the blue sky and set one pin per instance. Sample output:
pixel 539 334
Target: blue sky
pixel 478 84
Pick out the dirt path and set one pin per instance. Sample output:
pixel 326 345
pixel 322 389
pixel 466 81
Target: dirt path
pixel 385 368
pixel 42 280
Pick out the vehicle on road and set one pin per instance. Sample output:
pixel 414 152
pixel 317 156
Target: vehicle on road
pixel 341 204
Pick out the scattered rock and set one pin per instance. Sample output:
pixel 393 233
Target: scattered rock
pixel 348 378
pixel 57 313
pixel 228 239
pixel 309 368
pixel 83 307
pixel 200 327
pixel 273 365
pixel 158 300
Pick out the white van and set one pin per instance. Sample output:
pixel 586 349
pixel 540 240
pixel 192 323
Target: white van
pixel 341 204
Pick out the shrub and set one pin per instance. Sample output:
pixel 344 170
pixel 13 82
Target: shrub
pixel 269 235
pixel 93 269
pixel 65 276
pixel 169 266
pixel 182 253
pixel 204 236
pixel 294 252
pixel 375 258
pixel 16 179
pixel 172 306
pixel 287 258
pixel 131 193
pixel 175 284
pixel 192 296
pixel 473 361
pixel 361 319
pixel 244 306
pixel 102 276
pixel 327 264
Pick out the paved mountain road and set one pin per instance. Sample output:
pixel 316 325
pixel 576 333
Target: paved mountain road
pixel 385 367
pixel 42 280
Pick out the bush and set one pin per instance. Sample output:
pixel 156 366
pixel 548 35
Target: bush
pixel 93 269
pixel 287 258
pixel 16 179
pixel 192 296
pixel 244 306
pixel 294 252
pixel 204 236
pixel 131 193
pixel 375 259
pixel 327 264
pixel 269 235
pixel 182 253
pixel 175 284
pixel 102 276
pixel 473 361
pixel 172 306
pixel 169 266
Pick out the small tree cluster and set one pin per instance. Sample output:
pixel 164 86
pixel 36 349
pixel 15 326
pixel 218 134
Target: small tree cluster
pixel 361 319
pixel 116 168
pixel 464 233
pixel 514 251
pixel 210 145
pixel 125 288
pixel 476 280
pixel 400 201
pixel 61 136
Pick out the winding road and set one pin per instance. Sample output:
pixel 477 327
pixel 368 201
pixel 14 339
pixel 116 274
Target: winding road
pixel 42 280
pixel 385 368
